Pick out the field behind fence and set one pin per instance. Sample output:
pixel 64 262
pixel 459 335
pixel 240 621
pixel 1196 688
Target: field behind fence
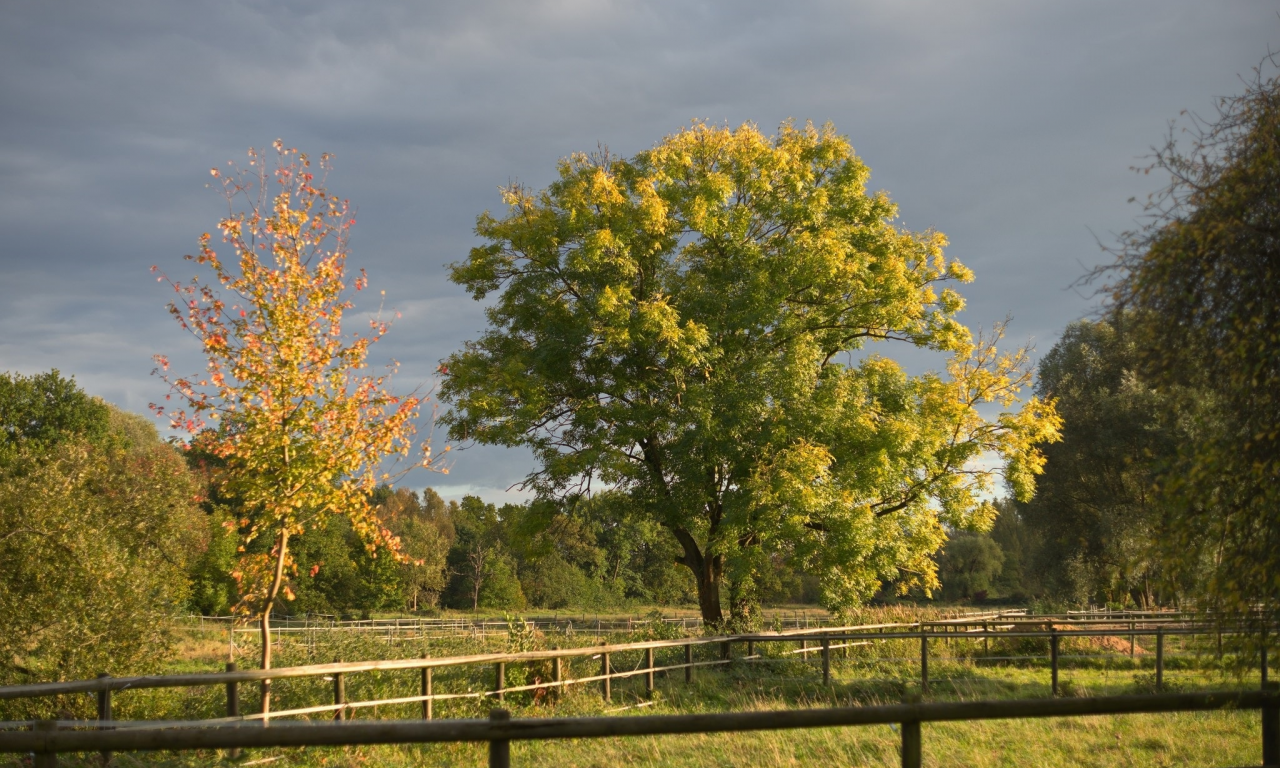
pixel 375 671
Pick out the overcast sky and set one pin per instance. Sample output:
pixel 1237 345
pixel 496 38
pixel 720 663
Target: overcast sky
pixel 1009 126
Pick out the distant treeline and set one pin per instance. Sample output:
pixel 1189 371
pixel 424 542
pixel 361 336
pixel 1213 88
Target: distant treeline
pixel 592 554
pixel 1090 533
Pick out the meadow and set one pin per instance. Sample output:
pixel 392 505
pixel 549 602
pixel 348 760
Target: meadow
pixel 961 669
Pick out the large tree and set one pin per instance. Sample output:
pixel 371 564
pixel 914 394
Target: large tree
pixel 1096 511
pixel 300 424
pixel 1200 279
pixel 688 325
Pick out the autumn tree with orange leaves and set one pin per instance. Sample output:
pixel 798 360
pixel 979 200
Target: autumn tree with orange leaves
pixel 288 402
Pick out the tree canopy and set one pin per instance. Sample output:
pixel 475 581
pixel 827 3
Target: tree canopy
pixel 1200 280
pixel 1096 513
pixel 688 325
pixel 98 522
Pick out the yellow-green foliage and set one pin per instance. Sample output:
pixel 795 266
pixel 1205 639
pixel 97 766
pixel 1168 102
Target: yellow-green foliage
pixel 687 325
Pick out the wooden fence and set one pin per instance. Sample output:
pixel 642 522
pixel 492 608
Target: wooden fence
pixel 817 642
pixel 47 738
pixel 419 626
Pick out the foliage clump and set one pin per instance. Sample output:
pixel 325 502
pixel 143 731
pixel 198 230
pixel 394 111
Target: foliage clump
pixel 99 523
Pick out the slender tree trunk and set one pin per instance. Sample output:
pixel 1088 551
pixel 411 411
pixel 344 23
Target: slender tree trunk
pixel 276 582
pixel 476 565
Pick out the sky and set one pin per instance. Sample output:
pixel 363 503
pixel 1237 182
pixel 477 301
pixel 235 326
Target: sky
pixel 1012 127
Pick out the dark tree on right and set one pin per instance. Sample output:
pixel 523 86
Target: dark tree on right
pixel 1198 285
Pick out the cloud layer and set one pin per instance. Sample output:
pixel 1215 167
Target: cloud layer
pixel 1009 126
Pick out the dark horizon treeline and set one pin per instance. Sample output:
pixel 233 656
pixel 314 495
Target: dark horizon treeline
pixel 590 554
pixel 1089 535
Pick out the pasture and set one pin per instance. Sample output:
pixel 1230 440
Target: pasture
pixel 768 673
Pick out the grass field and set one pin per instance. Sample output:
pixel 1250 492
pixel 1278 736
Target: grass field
pixel 879 674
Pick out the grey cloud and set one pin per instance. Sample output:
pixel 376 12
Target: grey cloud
pixel 1009 126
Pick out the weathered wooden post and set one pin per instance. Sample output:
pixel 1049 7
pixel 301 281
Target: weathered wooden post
pixel 804 652
pixel 104 710
pixel 427 712
pixel 648 676
pixel 751 648
pixel 688 662
pixel 557 672
pixel 499 749
pixel 986 639
pixel 1262 666
pixel 924 662
pixel 912 752
pixel 233 705
pixel 500 679
pixel 45 759
pixel 1159 658
pixel 826 660
pixel 339 696
pixel 1131 642
pixel 605 689
pixel 1271 726
pixel 1053 659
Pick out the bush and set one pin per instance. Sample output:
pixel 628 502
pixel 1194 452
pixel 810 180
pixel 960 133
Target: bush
pixel 95 538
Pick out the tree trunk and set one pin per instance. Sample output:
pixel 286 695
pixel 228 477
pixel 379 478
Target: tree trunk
pixel 276 582
pixel 708 572
pixel 708 578
pixel 477 567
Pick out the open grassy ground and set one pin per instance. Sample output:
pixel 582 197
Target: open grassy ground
pixel 883 673
pixel 1199 739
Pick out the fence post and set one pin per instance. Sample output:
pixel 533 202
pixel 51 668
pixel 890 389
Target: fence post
pixel 1264 655
pixel 1131 642
pixel 1159 658
pixel 45 759
pixel 826 660
pixel 986 639
pixel 804 652
pixel 688 662
pixel 605 688
pixel 556 671
pixel 500 679
pixel 912 753
pixel 751 648
pixel 648 676
pixel 339 696
pixel 924 665
pixel 426 691
pixel 233 706
pixel 104 709
pixel 1053 659
pixel 499 749
pixel 1271 727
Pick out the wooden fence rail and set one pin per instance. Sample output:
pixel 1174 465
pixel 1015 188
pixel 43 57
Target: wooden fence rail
pixel 46 740
pixel 829 639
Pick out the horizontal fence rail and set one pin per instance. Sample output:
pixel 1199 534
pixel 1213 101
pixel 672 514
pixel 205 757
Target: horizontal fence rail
pixel 828 639
pixel 45 741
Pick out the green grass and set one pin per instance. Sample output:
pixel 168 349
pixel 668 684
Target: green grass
pixel 959 670
pixel 1203 739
